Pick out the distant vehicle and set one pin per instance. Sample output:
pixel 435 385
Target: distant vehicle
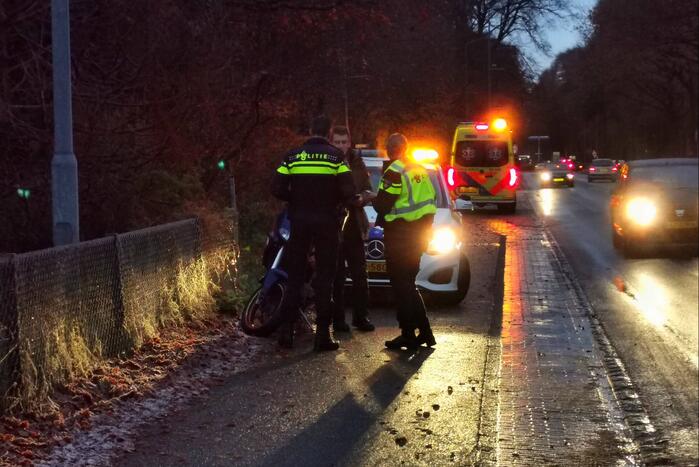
pixel 445 271
pixel 556 175
pixel 483 166
pixel 524 162
pixel 656 204
pixel 365 151
pixel 570 163
pixel 602 169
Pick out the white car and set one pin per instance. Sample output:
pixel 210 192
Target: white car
pixel 444 269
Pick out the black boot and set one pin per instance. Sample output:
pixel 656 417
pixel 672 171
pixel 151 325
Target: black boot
pixel 323 340
pixel 406 339
pixel 286 335
pixel 425 336
pixel 363 324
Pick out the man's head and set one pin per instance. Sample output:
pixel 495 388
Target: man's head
pixel 340 137
pixel 321 126
pixel 396 146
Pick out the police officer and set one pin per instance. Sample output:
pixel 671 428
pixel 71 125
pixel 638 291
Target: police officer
pixel 407 202
pixel 354 234
pixel 315 181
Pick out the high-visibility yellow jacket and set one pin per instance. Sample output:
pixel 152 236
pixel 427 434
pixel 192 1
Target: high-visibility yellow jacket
pixel 406 193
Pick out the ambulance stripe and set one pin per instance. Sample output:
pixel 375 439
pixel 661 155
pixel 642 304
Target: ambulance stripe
pixel 472 182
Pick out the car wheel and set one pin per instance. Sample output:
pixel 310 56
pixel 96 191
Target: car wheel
pixel 509 208
pixel 571 184
pixel 464 283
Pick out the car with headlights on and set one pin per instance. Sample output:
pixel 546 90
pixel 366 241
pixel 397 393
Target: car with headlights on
pixel 445 271
pixel 656 204
pixel 602 169
pixel 555 174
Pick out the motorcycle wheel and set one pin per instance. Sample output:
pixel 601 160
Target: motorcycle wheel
pixel 262 315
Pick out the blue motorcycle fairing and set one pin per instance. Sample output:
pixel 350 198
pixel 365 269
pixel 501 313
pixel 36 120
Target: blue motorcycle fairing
pixel 375 233
pixel 272 277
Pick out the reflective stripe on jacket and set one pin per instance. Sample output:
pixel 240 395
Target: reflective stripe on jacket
pixel 412 185
pixel 316 182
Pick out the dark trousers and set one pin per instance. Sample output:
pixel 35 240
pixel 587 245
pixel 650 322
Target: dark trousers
pixel 352 252
pixel 325 237
pixel 405 243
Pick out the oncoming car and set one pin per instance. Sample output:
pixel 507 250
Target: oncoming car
pixel 656 204
pixel 556 174
pixel 483 168
pixel 444 269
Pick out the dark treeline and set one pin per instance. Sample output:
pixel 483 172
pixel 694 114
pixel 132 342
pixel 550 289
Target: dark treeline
pixel 164 90
pixel 631 91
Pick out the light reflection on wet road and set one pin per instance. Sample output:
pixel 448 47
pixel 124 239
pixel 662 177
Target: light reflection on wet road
pixel 648 306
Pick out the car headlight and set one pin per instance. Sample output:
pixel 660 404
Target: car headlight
pixel 570 176
pixel 443 241
pixel 545 176
pixel 642 211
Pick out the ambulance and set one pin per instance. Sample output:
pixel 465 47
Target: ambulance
pixel 483 168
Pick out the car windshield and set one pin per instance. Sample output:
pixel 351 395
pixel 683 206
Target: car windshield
pixel 481 153
pixel 603 163
pixel 375 173
pixel 674 176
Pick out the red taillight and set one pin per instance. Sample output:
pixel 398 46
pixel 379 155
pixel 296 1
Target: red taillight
pixel 514 177
pixel 481 126
pixel 451 177
pixel 570 166
pixel 614 169
pixel 592 169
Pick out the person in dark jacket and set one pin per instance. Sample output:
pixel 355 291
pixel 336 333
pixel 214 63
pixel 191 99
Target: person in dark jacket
pixel 352 255
pixel 316 182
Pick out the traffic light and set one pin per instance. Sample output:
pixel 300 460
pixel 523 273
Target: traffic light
pixel 23 193
pixel 221 165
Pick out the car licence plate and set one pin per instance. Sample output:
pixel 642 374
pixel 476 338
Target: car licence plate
pixel 376 266
pixel 682 224
pixel 559 179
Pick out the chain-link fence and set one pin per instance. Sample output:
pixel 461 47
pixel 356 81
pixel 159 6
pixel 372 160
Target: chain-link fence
pixel 64 309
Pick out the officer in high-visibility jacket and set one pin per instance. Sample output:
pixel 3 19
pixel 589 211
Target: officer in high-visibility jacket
pixel 407 203
pixel 316 182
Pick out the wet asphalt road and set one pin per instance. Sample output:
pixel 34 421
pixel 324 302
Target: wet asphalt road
pixel 653 324
pixel 519 381
pixel 362 405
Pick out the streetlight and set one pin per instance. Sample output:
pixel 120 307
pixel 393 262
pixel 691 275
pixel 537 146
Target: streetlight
pixel 538 140
pixel 347 78
pixel 489 68
pixel 64 165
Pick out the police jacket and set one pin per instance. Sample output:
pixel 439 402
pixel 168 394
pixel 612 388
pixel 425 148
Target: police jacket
pixel 406 194
pixel 316 182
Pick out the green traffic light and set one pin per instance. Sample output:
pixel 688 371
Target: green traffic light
pixel 221 165
pixel 23 193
